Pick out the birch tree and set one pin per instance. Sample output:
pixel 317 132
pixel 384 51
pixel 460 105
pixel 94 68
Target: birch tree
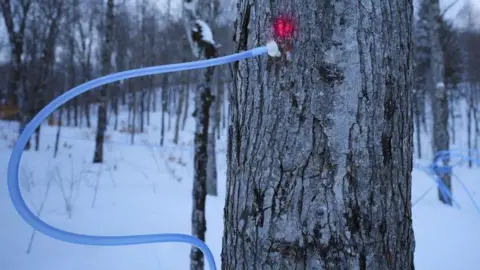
pixel 320 148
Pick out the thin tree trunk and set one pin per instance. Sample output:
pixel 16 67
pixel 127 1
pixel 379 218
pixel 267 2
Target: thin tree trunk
pixel 149 100
pixel 179 114
pixel 440 134
pixel 218 110
pixel 212 179
pixel 164 110
pixel 86 106
pixel 320 148
pixel 134 117
pixel 186 107
pixel 451 113
pixel 69 114
pixel 170 102
pixel 418 130
pixel 211 149
pixel 204 10
pixel 75 112
pixel 203 101
pixel 57 137
pixel 469 123
pixel 16 94
pixel 102 104
pixel 142 110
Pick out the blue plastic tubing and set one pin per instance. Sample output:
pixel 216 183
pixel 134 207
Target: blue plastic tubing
pixel 435 168
pixel 14 163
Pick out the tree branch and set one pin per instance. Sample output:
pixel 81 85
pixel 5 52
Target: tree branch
pixel 448 8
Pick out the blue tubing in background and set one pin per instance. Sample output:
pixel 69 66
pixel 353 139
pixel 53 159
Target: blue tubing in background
pixel 14 163
pixel 435 168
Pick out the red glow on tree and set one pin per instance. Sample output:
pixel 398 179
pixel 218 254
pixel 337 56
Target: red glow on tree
pixel 283 28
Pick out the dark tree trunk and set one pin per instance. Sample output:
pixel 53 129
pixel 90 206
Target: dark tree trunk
pixel 436 86
pixel 203 101
pixel 134 117
pixel 212 179
pixel 320 148
pixel 418 124
pixel 57 136
pixel 164 109
pixel 180 102
pixel 16 94
pixel 102 103
pixel 186 107
pixel 142 109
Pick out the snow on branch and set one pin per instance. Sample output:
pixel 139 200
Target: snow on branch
pixel 200 34
pixel 203 37
pixel 440 85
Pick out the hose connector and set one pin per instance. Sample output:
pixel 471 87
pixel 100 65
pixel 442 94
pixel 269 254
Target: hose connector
pixel 272 49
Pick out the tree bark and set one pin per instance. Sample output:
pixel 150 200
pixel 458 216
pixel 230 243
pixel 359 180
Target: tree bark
pixel 212 179
pixel 436 85
pixel 164 110
pixel 320 148
pixel 202 10
pixel 106 67
pixel 16 94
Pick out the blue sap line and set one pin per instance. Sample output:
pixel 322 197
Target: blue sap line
pixel 27 132
pixel 437 168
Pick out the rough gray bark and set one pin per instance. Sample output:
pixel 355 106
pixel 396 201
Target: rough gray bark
pixel 436 84
pixel 203 10
pixel 106 67
pixel 212 187
pixel 416 116
pixel 164 109
pixel 211 145
pixel 320 149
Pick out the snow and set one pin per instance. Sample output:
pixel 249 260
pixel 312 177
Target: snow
pixel 207 34
pixel 143 189
pixel 440 85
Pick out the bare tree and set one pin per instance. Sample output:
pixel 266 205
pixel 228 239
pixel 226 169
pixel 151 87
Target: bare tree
pixel 320 148
pixel 198 15
pixel 47 21
pixel 471 43
pixel 435 85
pixel 107 49
pixel 86 31
pixel 16 17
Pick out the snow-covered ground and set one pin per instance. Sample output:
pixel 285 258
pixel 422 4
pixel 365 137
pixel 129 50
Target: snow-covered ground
pixel 146 189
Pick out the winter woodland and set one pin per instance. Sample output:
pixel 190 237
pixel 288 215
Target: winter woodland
pixel 305 161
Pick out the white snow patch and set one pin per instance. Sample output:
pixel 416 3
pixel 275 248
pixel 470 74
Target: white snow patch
pixel 207 34
pixel 138 193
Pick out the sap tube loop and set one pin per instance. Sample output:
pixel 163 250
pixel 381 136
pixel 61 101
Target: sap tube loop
pixel 16 155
